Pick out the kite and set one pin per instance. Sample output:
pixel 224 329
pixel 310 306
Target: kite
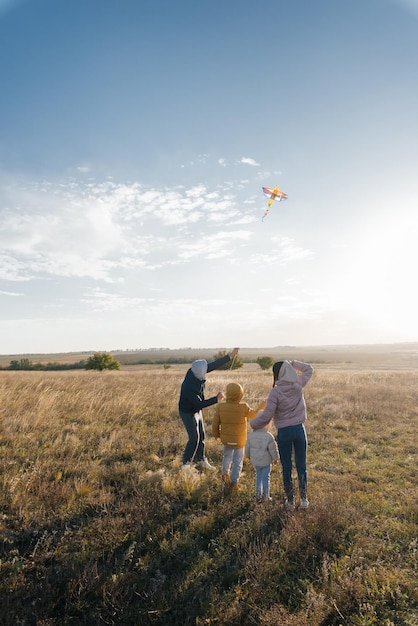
pixel 275 194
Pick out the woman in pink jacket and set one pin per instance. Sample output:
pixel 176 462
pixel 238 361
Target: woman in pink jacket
pixel 286 406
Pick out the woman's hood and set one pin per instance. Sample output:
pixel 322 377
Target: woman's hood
pixel 287 373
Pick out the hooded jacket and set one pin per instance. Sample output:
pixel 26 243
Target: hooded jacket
pixel 192 392
pixel 261 448
pixel 230 420
pixel 285 403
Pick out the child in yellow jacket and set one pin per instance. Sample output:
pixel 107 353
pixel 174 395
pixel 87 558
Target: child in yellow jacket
pixel 230 426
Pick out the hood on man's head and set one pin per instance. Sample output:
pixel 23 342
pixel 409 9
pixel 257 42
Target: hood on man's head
pixel 200 368
pixel 234 392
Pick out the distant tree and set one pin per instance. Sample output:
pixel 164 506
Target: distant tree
pixel 102 361
pixel 22 364
pixel 79 365
pixel 235 364
pixel 265 362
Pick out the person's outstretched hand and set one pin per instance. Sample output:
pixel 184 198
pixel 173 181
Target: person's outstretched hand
pixel 233 353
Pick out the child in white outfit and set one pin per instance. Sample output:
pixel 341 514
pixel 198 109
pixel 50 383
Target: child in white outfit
pixel 261 449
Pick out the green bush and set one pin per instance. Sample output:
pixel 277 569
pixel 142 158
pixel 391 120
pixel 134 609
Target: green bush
pixel 234 364
pixel 265 362
pixel 102 361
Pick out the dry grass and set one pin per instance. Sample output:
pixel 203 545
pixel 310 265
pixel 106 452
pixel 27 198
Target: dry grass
pixel 100 526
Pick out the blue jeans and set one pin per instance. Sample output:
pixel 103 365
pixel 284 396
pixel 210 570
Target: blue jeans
pixel 195 447
pixel 262 481
pixel 234 456
pixel 293 439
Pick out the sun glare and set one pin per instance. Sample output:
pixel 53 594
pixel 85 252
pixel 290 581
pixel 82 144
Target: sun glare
pixel 379 282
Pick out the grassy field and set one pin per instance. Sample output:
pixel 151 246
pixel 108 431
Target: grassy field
pixel 100 526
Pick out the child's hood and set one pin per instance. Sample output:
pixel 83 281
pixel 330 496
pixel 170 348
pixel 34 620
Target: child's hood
pixel 234 392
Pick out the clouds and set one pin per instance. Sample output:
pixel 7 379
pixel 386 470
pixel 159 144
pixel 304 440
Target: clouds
pixel 93 229
pixel 284 251
pixel 223 161
pixel 58 229
pixel 12 294
pixel 249 161
pixel 130 253
pixel 72 228
pixel 135 251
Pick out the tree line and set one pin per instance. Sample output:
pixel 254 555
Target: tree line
pixel 104 361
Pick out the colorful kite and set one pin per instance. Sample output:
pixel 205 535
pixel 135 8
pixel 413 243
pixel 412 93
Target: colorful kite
pixel 275 194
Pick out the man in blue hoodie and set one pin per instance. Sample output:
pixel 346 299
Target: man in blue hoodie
pixel 192 401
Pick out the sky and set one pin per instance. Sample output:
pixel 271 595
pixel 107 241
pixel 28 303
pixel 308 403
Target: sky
pixel 136 137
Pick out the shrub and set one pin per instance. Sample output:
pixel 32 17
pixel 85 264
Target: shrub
pixel 265 362
pixel 235 364
pixel 102 361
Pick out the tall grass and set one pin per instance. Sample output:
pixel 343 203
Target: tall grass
pixel 99 525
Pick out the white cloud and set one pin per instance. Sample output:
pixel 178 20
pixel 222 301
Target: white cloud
pixel 283 250
pixel 249 161
pixel 199 160
pixel 12 294
pixel 57 230
pixel 14 270
pixel 101 300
